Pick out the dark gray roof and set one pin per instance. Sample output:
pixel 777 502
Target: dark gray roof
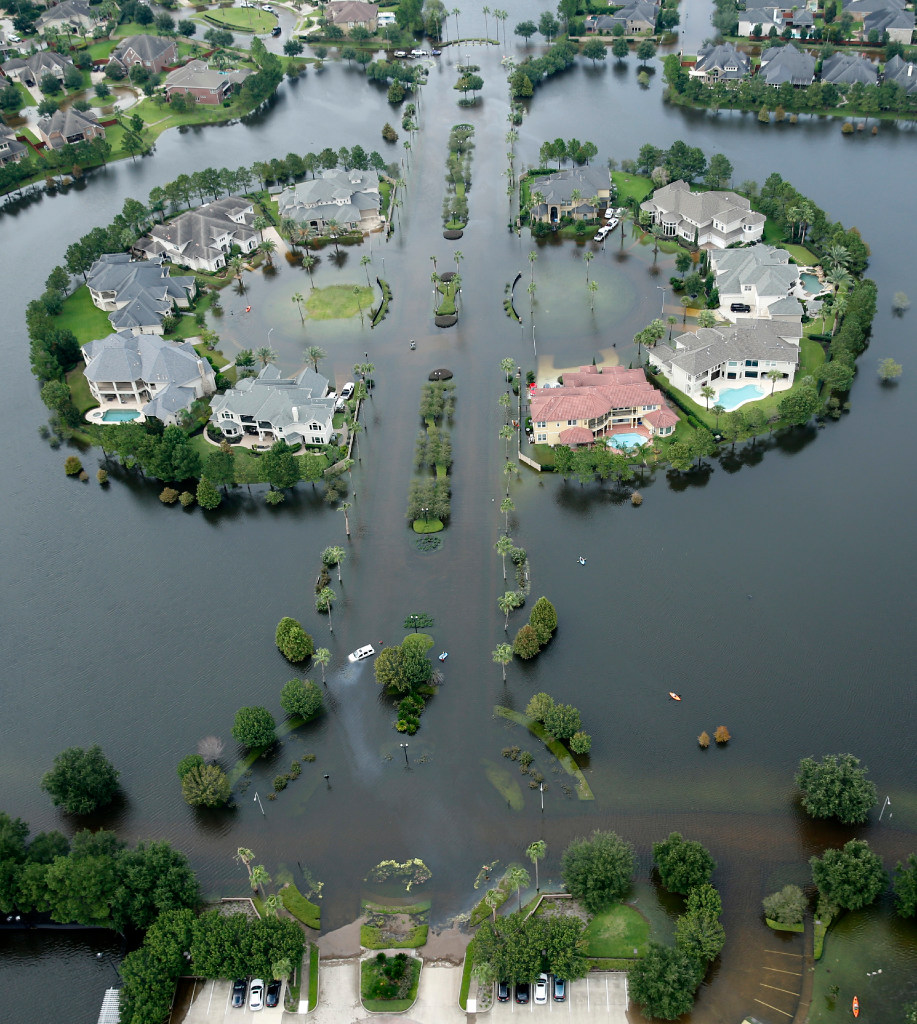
pixel 334 195
pixel 192 233
pixel 142 357
pixel 710 346
pixel 763 266
pixel 883 21
pixel 196 74
pixel 676 200
pixel 146 287
pixel 847 68
pixel 903 72
pixel 558 188
pixel 864 7
pixel 10 147
pixel 280 401
pixel 65 11
pixel 723 60
pixel 146 47
pixel 41 63
pixel 781 64
pixel 64 123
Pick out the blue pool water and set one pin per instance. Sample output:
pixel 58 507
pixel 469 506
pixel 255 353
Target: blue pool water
pixel 119 415
pixel 628 440
pixel 735 397
pixel 811 284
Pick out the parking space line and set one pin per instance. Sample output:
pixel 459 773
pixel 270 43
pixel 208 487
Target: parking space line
pixel 607 996
pixel 588 998
pixel 777 970
pixel 777 1008
pixel 210 1000
pixel 780 952
pixel 776 989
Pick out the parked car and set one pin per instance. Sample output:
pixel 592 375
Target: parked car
pixel 347 389
pixel 273 993
pixel 275 31
pixel 239 989
pixel 436 53
pixel 740 307
pixel 268 8
pixel 419 53
pixel 401 53
pixel 602 234
pixel 541 989
pixel 610 212
pixel 560 989
pixel 340 404
pixel 522 992
pixel 256 995
pixel 361 652
pixel 503 991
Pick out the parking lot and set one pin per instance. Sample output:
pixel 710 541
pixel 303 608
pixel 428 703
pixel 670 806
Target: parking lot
pixel 600 996
pixel 210 1003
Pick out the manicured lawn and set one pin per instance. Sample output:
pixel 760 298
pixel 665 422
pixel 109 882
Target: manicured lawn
pixel 247 466
pixel 385 191
pixel 447 305
pixel 81 316
pixel 297 904
pixel 801 254
pixel 427 525
pixel 159 117
pixel 371 980
pixel 466 975
pixel 338 301
pixel 241 19
pixel 631 186
pixel 79 389
pixel 373 938
pixel 25 97
pixel 617 932
pixel 313 974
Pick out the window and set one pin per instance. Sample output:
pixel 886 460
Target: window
pixel 714 375
pixel 751 373
pixel 730 376
pixel 751 362
pixel 571 423
pixel 317 440
pixel 541 437
pixel 541 423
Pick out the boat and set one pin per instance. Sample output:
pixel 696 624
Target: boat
pixel 856 1007
pixel 444 655
pixel 674 696
pixel 581 560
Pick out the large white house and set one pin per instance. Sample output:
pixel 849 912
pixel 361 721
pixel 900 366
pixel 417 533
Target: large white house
pixel 350 198
pixel 145 374
pixel 597 403
pixel 714 219
pixel 275 408
pixel 137 294
pixel 760 277
pixel 201 239
pixel 727 357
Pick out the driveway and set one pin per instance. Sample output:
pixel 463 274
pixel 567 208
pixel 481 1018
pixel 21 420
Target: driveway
pixel 600 996
pixel 211 1004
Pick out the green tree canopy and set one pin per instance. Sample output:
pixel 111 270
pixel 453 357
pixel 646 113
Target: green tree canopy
pixel 293 641
pixel 682 863
pixel 519 949
pixel 598 871
pixel 280 466
pixel 301 698
pixel 154 878
pixel 850 878
pixel 663 982
pixel 786 906
pixel 206 786
pixel 526 644
pixel 836 787
pixel 254 727
pixel 562 721
pixel 543 619
pixel 81 780
pixel 905 887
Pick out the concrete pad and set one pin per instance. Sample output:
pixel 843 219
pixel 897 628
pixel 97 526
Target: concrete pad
pixel 601 996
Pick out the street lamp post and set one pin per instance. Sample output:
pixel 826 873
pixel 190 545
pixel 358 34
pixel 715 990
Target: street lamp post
pixel 425 512
pixel 261 805
pixel 887 803
pixel 270 332
pixel 327 779
pixel 541 787
pixel 404 747
pixel 662 304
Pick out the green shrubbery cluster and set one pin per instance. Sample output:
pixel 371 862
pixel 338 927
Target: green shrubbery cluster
pixel 562 721
pixel 540 628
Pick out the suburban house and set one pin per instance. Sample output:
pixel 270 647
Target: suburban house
pixel 637 16
pixel 889 16
pixel 350 198
pixel 797 19
pixel 557 191
pixel 204 84
pixel 902 72
pixel 781 64
pixel 761 277
pixel 275 408
pixel 137 295
pixel 151 52
pixel 146 373
pixel 717 356
pixel 74 16
pixel 351 14
pixel 595 403
pixel 11 150
pixel 720 63
pixel 67 127
pixel 847 68
pixel 715 219
pixel 30 70
pixel 201 239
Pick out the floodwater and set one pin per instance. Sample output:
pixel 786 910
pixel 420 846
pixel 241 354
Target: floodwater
pixel 773 591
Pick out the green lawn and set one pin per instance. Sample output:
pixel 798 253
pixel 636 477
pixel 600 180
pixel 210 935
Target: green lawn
pixel 25 97
pixel 79 389
pixel 801 254
pixel 555 746
pixel 427 525
pixel 241 19
pixel 81 316
pixel 631 186
pixel 373 938
pixel 369 977
pixel 447 305
pixel 247 466
pixel 338 301
pixel 385 192
pixel 617 932
pixel 159 116
pixel 297 904
pixel 313 974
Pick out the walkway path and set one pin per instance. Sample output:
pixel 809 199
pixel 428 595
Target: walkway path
pixel 808 973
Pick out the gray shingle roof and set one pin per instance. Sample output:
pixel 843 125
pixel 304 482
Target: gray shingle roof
pixel 192 234
pixel 197 75
pixel 883 21
pixel 864 7
pixel 141 357
pixel 280 401
pixel 63 124
pixel 781 64
pixel 710 346
pixel 847 68
pixel 677 199
pixel 337 195
pixel 146 287
pixel 723 59
pixel 903 72
pixel 558 188
pixel 146 47
pixel 343 12
pixel 764 266
pixel 41 63
pixel 65 11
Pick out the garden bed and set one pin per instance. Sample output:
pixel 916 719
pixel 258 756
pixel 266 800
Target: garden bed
pixel 393 926
pixel 389 984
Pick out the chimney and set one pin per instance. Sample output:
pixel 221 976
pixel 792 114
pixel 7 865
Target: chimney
pixel 296 414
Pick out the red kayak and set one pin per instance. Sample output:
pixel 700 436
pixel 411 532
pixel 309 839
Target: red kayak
pixel 856 1007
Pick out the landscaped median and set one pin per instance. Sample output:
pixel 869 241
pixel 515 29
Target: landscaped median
pixel 388 984
pixel 555 746
pixel 394 925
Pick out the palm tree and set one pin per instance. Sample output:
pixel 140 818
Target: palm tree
pixel 501 16
pixel 458 256
pixel 281 969
pixel 518 879
pixel 503 547
pixel 313 354
pixel 309 261
pixel 837 255
pixel 338 555
pixel 507 602
pixel 671 321
pixel 258 877
pixel 455 13
pixel 503 655
pixel 575 196
pixel 324 601
pixel 364 263
pixel 838 277
pixel 345 507
pixel 508 470
pixel 299 299
pixel 686 302
pixel 356 295
pixel 708 392
pixel 507 505
pixel 593 287
pixel 535 851
pixel 588 257
pixel 246 856
pixel 840 308
pixel 485 10
pixel 718 411
pixel 532 257
pixel 492 899
pixel 237 263
pixel 504 400
pixel 706 318
pixel 266 354
pixel 272 905
pixel 506 434
pixel 259 224
pixel 507 366
pixel 268 247
pixel 321 657
pixel 332 229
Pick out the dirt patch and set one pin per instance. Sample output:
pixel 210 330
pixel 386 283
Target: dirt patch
pixel 342 942
pixel 446 944
pixel 559 907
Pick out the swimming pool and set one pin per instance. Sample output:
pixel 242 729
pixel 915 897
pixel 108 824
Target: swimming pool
pixel 628 440
pixel 734 397
pixel 119 415
pixel 811 284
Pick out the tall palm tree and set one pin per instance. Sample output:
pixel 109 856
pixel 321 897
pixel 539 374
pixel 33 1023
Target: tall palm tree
pixel 332 229
pixel 503 655
pixel 532 257
pixel 518 879
pixel 503 547
pixel 718 411
pixel 364 263
pixel 455 13
pixel 345 507
pixel 259 224
pixel 671 321
pixel 501 16
pixel 259 878
pixel 299 299
pixel 492 899
pixel 773 376
pixel 686 302
pixel 267 248
pixel 594 201
pixel 506 604
pixel 309 261
pixel 507 505
pixel 535 851
pixel 837 255
pixel 706 318
pixel 272 905
pixel 506 434
pixel 508 470
pixel 575 196
pixel 458 256
pixel 324 601
pixel 266 354
pixel 281 969
pixel 246 856
pixel 708 392
pixel 593 287
pixel 485 10
pixel 322 656
pixel 838 277
pixel 237 263
pixel 507 366
pixel 588 257
pixel 338 555
pixel 356 295
pixel 313 354
pixel 505 401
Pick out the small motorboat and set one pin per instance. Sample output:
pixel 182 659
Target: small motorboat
pixel 581 560
pixel 444 655
pixel 674 696
pixel 856 1007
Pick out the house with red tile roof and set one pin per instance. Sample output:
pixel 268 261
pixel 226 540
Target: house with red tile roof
pixel 594 403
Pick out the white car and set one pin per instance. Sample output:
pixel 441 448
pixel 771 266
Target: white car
pixel 602 234
pixel 268 8
pixel 609 213
pixel 256 995
pixel 613 223
pixel 361 652
pixel 419 53
pixel 12 38
pixel 541 990
pixel 347 389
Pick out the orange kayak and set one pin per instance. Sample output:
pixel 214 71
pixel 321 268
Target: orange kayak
pixel 856 1007
pixel 674 696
